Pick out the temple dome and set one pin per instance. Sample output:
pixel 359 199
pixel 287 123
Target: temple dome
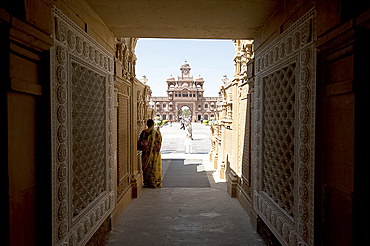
pixel 185 64
pixel 171 77
pixel 200 78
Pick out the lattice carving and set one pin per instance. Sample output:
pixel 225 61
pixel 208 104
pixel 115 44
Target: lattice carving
pixel 81 92
pixel 88 136
pixel 284 133
pixel 278 130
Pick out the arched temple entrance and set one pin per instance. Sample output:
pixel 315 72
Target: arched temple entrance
pixel 185 113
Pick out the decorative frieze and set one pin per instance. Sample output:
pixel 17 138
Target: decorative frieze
pixel 81 123
pixel 125 55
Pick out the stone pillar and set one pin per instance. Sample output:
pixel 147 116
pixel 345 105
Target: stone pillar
pixel 215 160
pixel 25 78
pixel 136 174
pixel 222 170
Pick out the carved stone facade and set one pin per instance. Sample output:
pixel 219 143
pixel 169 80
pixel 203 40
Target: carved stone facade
pixel 82 133
pixel 185 91
pixel 228 134
pixel 95 97
pixel 271 169
pixel 131 111
pixel 284 133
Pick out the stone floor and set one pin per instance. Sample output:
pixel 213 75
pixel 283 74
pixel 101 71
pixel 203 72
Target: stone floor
pixel 190 208
pixel 173 140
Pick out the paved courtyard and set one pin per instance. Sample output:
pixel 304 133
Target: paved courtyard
pixel 191 208
pixel 173 139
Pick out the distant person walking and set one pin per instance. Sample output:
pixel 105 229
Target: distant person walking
pixel 182 122
pixel 150 144
pixel 188 138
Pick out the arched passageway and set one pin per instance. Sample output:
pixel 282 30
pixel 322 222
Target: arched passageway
pixel 74 108
pixel 185 113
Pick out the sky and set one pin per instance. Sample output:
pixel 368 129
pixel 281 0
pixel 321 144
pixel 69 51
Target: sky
pixel 157 59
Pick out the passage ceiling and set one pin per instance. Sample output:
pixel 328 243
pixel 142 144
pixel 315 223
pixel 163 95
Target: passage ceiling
pixel 213 19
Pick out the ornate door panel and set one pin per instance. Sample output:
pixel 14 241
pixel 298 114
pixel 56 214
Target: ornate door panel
pixel 124 140
pixel 246 160
pixel 284 133
pixel 81 117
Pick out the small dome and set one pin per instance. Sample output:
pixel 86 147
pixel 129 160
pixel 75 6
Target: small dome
pixel 185 64
pixel 200 78
pixel 171 77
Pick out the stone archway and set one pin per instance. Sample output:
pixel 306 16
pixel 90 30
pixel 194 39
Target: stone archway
pixel 179 105
pixel 185 112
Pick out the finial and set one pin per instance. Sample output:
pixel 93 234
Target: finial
pixel 225 79
pixel 144 80
pixel 186 59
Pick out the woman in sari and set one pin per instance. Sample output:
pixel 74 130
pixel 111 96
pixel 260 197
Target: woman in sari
pixel 150 144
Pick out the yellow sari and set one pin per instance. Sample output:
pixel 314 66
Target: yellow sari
pixel 150 145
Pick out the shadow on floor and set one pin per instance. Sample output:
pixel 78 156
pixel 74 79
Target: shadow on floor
pixel 178 175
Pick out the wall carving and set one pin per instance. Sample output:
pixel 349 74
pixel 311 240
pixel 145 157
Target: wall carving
pixel 125 54
pixel 124 138
pixel 278 128
pixel 81 117
pixel 246 159
pixel 284 125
